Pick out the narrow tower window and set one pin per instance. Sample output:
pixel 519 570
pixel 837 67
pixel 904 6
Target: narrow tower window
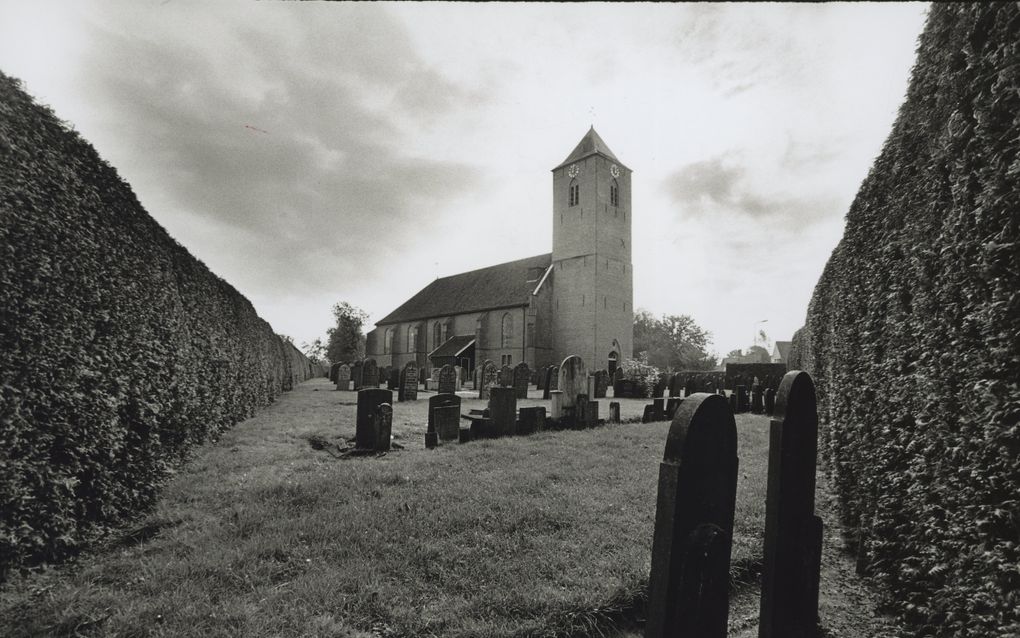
pixel 574 197
pixel 614 193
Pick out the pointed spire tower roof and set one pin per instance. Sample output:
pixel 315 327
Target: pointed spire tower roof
pixel 590 144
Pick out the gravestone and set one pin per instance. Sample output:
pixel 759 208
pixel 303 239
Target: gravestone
pixel 367 435
pixel 531 420
pixel 601 384
pixel 556 404
pixel 547 388
pixel 649 414
pixel 343 377
pixel 446 420
pixel 592 414
pixel 356 375
pixel 437 401
pixel 503 411
pixel 660 387
pixel 659 409
pixel 506 377
pixel 757 404
pixel 488 377
pixel 369 374
pixel 742 402
pixel 555 378
pixel 465 434
pixel 447 383
pixel 573 379
pixel 431 440
pixel 581 407
pixel 522 378
pixel 689 580
pixel 408 383
pixel 614 411
pixel 382 423
pixel 394 380
pixel 770 401
pixel 793 534
pixel 332 372
pixel 617 378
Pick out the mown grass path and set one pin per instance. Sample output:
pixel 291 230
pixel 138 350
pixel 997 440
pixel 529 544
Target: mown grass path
pixel 260 535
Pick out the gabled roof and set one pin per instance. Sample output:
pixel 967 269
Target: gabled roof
pixel 453 346
pixel 590 144
pixel 500 286
pixel 783 348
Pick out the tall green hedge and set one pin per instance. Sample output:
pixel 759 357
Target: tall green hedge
pixel 913 336
pixel 120 350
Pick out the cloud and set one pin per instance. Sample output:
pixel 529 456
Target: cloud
pixel 284 135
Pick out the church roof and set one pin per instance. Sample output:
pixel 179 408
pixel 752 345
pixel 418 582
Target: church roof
pixel 500 286
pixel 590 144
pixel 453 346
pixel 783 349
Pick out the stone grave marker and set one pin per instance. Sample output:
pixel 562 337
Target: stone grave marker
pixel 601 384
pixel 617 379
pixel 614 411
pixel 770 401
pixel 394 379
pixel 506 377
pixel 757 403
pixel 531 420
pixel 367 435
pixel 554 380
pixel 332 372
pixel 742 403
pixel 408 383
pixel 356 375
pixel 503 411
pixel 488 377
pixel 547 384
pixel 556 404
pixel 343 377
pixel 369 374
pixel 522 378
pixel 447 400
pixel 446 420
pixel 793 534
pixel 689 581
pixel 573 379
pixel 447 380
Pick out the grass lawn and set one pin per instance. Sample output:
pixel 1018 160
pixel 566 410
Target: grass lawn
pixel 260 535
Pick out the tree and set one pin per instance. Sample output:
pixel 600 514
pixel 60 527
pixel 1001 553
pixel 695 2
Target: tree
pixel 315 351
pixel 672 342
pixel 345 342
pixel 761 355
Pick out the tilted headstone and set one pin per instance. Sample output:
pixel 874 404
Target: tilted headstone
pixel 448 400
pixel 447 381
pixel 531 420
pixel 369 374
pixel 689 581
pixel 573 379
pixel 793 534
pixel 408 383
pixel 488 377
pixel 522 378
pixel 503 411
pixel 343 377
pixel 447 422
pixel 356 375
pixel 614 411
pixel 366 436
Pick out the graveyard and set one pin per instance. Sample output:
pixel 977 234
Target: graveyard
pixel 547 534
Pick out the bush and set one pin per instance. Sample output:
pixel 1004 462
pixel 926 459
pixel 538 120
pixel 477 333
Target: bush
pixel 911 336
pixel 645 375
pixel 121 351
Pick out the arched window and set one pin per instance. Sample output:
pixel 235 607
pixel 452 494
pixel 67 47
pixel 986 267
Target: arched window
pixel 388 341
pixel 437 335
pixel 574 197
pixel 412 339
pixel 614 193
pixel 447 330
pixel 508 330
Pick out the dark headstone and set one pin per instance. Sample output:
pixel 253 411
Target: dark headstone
pixel 488 377
pixel 757 402
pixel 369 374
pixel 441 401
pixel 649 414
pixel 573 380
pixel 343 377
pixel 659 406
pixel 531 420
pixel 408 383
pixel 332 372
pixel 482 429
pixel 770 401
pixel 742 398
pixel 550 374
pixel 592 414
pixel 431 440
pixel 614 411
pixel 601 384
pixel 447 380
pixel 366 433
pixel 394 379
pixel 689 581
pixel 793 534
pixel 356 375
pixel 446 421
pixel 671 407
pixel 522 378
pixel 503 411
pixel 581 408
pixel 465 435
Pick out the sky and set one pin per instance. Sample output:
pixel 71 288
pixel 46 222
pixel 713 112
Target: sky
pixel 311 153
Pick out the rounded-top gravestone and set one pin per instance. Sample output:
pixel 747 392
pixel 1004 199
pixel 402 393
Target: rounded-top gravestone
pixel 573 380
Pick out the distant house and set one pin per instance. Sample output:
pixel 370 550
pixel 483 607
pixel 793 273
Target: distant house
pixel 781 352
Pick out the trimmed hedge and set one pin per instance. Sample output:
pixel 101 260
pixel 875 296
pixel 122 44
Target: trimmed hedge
pixel 768 374
pixel 913 337
pixel 120 350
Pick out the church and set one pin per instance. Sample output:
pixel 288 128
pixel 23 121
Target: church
pixel 576 300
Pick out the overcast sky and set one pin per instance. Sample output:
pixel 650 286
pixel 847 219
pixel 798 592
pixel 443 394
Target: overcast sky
pixel 310 153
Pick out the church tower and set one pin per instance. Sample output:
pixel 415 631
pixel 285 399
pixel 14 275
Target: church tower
pixel 593 292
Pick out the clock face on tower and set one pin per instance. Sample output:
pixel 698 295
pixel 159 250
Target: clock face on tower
pixel 614 170
pixel 573 170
